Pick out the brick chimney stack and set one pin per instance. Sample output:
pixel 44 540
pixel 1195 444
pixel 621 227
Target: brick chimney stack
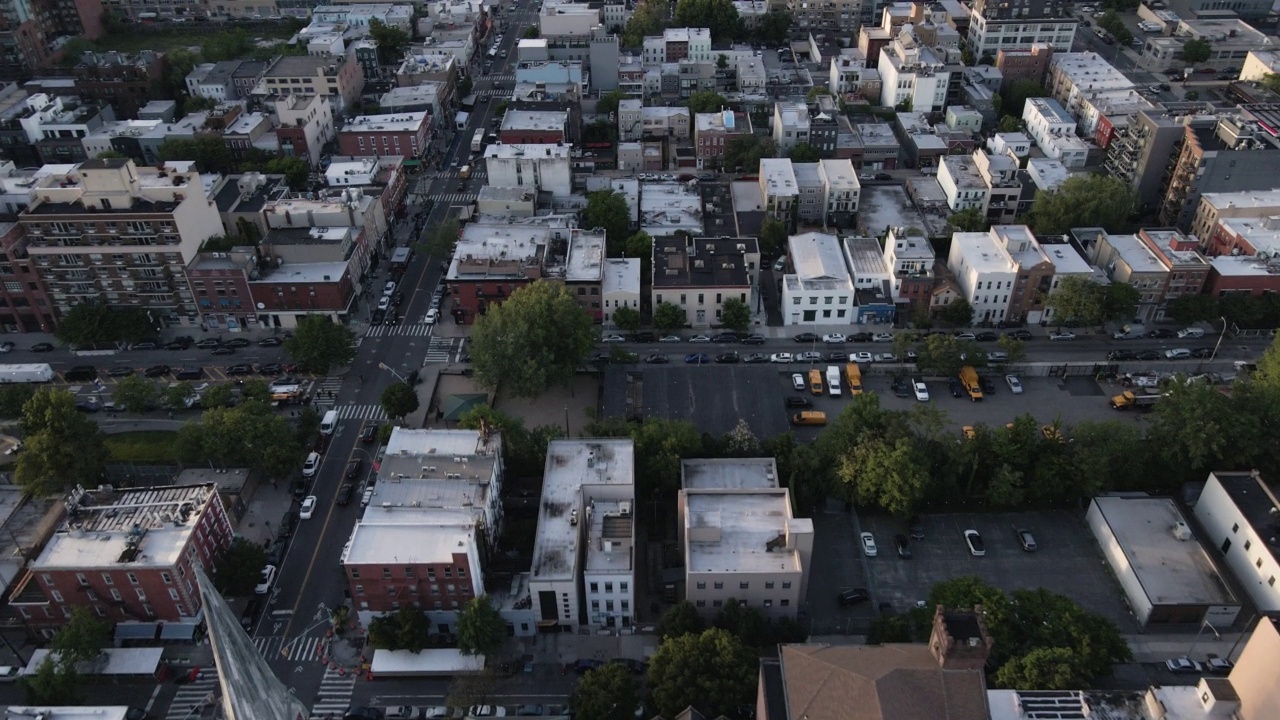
pixel 960 640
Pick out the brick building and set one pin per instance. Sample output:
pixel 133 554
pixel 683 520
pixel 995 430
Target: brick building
pixel 126 555
pixel 403 134
pixel 126 82
pixel 531 127
pixel 25 306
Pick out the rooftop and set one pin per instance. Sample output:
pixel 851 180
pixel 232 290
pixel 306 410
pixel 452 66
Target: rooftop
pixel 1090 70
pixel 963 171
pixel 739 531
pixel 778 176
pixel 666 207
pixel 1051 110
pixel 575 468
pixel 621 275
pixel 61 712
pixel 391 122
pixel 983 253
pixel 586 257
pixel 1256 503
pixel 866 258
pixel 729 474
pixel 1138 256
pixel 702 262
pixel 138 527
pixel 610 537
pixel 412 542
pixel 1066 260
pixel 1243 265
pixel 818 262
pixel 433 454
pixel 490 249
pixel 1245 200
pixel 1171 571
pixel 535 120
pixel 1047 173
pixel 543 150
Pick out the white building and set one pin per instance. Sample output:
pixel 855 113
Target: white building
pixel 545 167
pixel 1259 64
pixel 778 187
pixel 790 124
pixel 620 287
pixel 912 74
pixel 583 555
pixel 990 36
pixel 985 272
pixel 820 288
pixel 1238 512
pixel 312 113
pixel 1016 145
pixel 676 44
pixel 846 71
pixel 909 259
pixel 1054 131
pixel 1089 87
pixel 565 20
pixel 962 184
pixel 740 539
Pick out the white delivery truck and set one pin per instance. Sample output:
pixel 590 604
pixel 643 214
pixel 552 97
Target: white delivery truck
pixel 26 373
pixel 833 381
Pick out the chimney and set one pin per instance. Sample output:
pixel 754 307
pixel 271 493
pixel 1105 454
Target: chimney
pixel 960 640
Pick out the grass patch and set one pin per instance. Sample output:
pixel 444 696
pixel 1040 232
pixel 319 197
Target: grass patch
pixel 144 446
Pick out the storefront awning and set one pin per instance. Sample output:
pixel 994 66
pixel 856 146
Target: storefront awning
pixel 178 631
pixel 136 631
pixel 412 163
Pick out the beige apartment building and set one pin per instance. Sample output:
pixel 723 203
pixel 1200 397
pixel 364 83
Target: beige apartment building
pixel 740 539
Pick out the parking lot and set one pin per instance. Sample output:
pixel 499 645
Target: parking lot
pixel 1066 561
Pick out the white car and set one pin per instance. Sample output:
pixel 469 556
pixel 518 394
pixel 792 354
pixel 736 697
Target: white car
pixel 862 357
pixel 670 338
pixel 810 356
pixel 1183 665
pixel 833 339
pixel 882 337
pixel 1177 354
pixel 366 498
pixel 613 339
pixel 389 289
pixel 965 336
pixel 487 711
pixel 311 465
pixel 869 544
pixel 435 712
pixel 268 577
pixel 1015 385
pixel 974 541
pixel 781 358
pixel 700 338
pixel 797 381
pixel 385 303
pixel 885 358
pixel 308 507
pixel 921 390
pixel 432 315
pixel 1062 336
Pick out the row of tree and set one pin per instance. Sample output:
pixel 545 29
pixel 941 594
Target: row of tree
pixel 720 17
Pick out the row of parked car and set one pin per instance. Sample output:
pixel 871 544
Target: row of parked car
pixel 440 712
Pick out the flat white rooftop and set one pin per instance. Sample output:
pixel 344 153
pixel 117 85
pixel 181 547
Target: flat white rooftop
pixel 60 712
pixel 621 275
pixel 732 531
pixel 778 176
pixel 610 538
pixel 394 122
pixel 435 454
pixel 535 120
pixel 544 151
pixel 729 474
pixel 586 257
pixel 982 253
pixel 574 466
pixel 1135 253
pixel 817 259
pixel 1065 259
pixel 409 543
pixel 1171 571
pixel 1245 200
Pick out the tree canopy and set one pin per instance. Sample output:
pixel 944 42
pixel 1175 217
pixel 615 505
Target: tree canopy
pixel 957 312
pixel 238 570
pixel 669 316
pixel 439 240
pixel 608 692
pixel 481 630
pixel 63 447
pixel 804 153
pixel 735 315
pixel 648 18
pixel 399 399
pixel 745 151
pixel 711 671
pixel 405 629
pixel 718 16
pixel 1083 201
pixel 1196 50
pixel 773 236
pixel 537 338
pixel 706 101
pixel 95 322
pixel 82 638
pixel 774 27
pixel 247 435
pixel 968 220
pixel 608 209
pixel 681 619
pixel 319 344
pixel 392 41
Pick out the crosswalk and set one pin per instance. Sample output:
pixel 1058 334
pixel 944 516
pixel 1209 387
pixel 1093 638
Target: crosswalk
pixel 416 329
pixel 191 696
pixel 329 385
pixel 299 650
pixel 500 77
pixel 441 350
pixel 478 173
pixel 361 412
pixel 454 197
pixel 334 696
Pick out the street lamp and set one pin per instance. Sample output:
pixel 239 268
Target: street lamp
pixel 1203 624
pixel 399 377
pixel 1220 336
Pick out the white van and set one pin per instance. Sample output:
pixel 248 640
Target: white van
pixel 1191 332
pixel 329 422
pixel 833 381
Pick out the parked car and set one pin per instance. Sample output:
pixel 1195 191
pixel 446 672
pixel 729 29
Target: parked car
pixel 353 468
pixel 963 336
pixel 613 339
pixel 798 401
pixel 988 386
pixel 1147 355
pixel 1062 335
pixel 311 464
pixel 921 390
pixel 810 356
pixel 986 336
pixel 956 388
pixel 700 339
pixel 42 347
pixel 753 340
pixel 837 356
pixel 671 339
pixel 369 433
pixel 308 507
pixel 726 337
pixel 974 541
pixel 915 527
pixel 755 358
pixel 862 357
pixel 806 338
pixel 144 345
pixel 223 351
pixel 728 358
pixel 240 369
pixel 869 544
pixel 237 343
pixel 781 357
pixel 903 547
pixel 1019 334
pixel 1218 666
pixel 1025 539
pixel 1204 353
pixel 853 596
pixel 1122 355
pixel 1182 665
pixel 697 358
pixel 270 342
pixel 268 577
pixel 657 359
pixel 882 337
pixel 209 343
pixel 797 381
pixel 344 494
pixel 120 371
pixel 833 339
pixel 1015 385
pixel 1178 354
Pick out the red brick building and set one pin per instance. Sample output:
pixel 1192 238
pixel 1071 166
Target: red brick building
pixel 395 565
pixel 1243 275
pixel 403 134
pixel 489 263
pixel 534 127
pixel 24 304
pixel 219 282
pixel 126 555
pixel 126 82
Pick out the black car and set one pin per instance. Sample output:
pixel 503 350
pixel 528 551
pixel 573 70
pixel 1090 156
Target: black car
pixel 190 374
pixel 585 665
pixel 120 371
pixel 1019 334
pixel 397 298
pixel 915 527
pixel 901 388
pixel 270 342
pixel 175 345
pixel 224 351
pixel 156 371
pixel 798 401
pixel 806 338
pixel 1162 334
pixel 275 554
pixel 643 337
pixel 753 340
pixel 237 343
pixel 81 373
pixel 369 433
pixel 903 547
pixel 860 337
pixel 144 345
pixel 1202 353
pixel 87 406
pixel 988 387
pixel 1148 355
pixel 270 369
pixel 728 358
pixel 853 596
pixel 241 369
pixel 42 347
pixel 724 338
pixel 363 713
pixel 353 469
pixel 392 319
pixel 344 494
pixel 657 359
pixel 209 343
pixel 883 176
pixel 1120 355
pixel 838 356
pixel 985 336
pixel 377 316
pixel 600 357
pixel 957 390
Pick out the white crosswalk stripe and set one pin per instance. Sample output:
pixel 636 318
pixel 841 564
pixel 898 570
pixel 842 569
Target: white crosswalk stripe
pixel 330 384
pixel 268 647
pixel 203 691
pixel 301 649
pixel 334 696
pixel 411 330
pixel 455 197
pixel 361 412
pixel 501 77
pixel 478 173
pixel 440 350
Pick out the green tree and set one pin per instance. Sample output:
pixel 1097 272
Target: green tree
pixel 218 396
pixel 1119 301
pixel 1083 200
pixel 94 322
pixel 1013 100
pixel 640 245
pixel 773 236
pixel 392 41
pixel 399 400
pixel 648 18
pixel 175 395
pixel 1013 347
pixel 608 210
pixel 137 394
pixel 1052 668
pixel 55 682
pixel 1191 309
pixel 1197 426
pixel 682 619
pixel 1009 124
pixel 210 154
pixel 608 692
pixel 745 151
pixel 722 61
pixel 735 315
pixel 537 338
pixel 438 241
pixel 608 103
pixel 668 317
pixel 718 16
pixel 661 445
pixel 1196 51
pixel 318 344
pixel 889 474
pixel 747 624
pixel 406 629
pixel 481 629
pixel 940 354
pixel 82 638
pixel 13 396
pixel 957 312
pixel 968 220
pixel 627 319
pixel 712 672
pixel 1271 81
pixel 531 32
pixel 238 570
pixel 741 441
pixel 804 153
pixel 774 27
pixel 62 446
pixel 294 169
pixel 1076 299
pixel 1268 372
pixel 706 101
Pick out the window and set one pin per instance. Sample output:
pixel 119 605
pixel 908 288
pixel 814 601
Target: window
pixel 595 606
pixel 768 603
pixel 743 585
pixel 115 595
pixel 142 594
pixel 768 585
pixel 355 573
pixel 608 588
pixel 359 589
pixel 717 603
pixel 133 579
pixel 595 587
pixel 702 586
pixel 702 603
pixel 719 585
pixel 173 594
pixel 784 602
pixel 1235 528
pixel 626 606
pixel 786 584
pixel 622 586
pixel 164 577
pixel 386 573
pixel 80 578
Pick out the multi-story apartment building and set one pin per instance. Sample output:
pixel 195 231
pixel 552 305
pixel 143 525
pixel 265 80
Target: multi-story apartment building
pixel 1028 64
pixel 1215 208
pixel 29 31
pixel 676 44
pixel 827 191
pixel 26 305
pixel 126 555
pixel 1141 148
pixel 790 125
pixel 910 258
pixel 819 288
pixel 620 287
pixel 740 539
pixel 840 16
pixel 304 123
pixel 913 75
pixel 846 72
pixel 125 82
pixel 1090 89
pixel 583 571
pixel 339 79
pixel 44 129
pixel 996 26
pixel 778 187
pixel 544 167
pixel 1054 131
pixel 962 184
pixel 712 132
pixel 985 272
pixel 213 81
pixel 699 274
pixel 111 232
pixel 404 134
pixel 1235 154
pixel 1160 263
pixel 636 122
